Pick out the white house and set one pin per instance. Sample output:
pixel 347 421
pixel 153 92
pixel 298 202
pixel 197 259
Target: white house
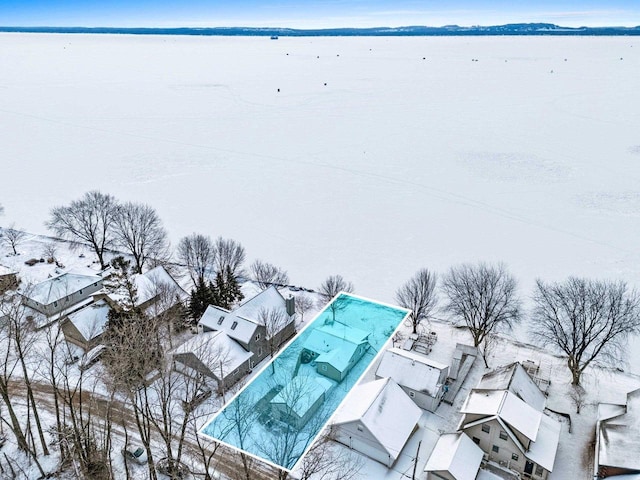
pixel 377 419
pixel 512 432
pixel 617 450
pixel 455 457
pixel 421 378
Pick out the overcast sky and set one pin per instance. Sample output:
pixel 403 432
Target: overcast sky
pixel 315 14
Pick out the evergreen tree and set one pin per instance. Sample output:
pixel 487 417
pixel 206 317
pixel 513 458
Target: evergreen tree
pixel 201 297
pixel 225 289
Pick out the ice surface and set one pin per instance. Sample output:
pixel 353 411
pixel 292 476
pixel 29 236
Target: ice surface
pixel 397 163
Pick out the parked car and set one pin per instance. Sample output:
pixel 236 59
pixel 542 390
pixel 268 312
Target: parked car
pixel 91 357
pixel 136 454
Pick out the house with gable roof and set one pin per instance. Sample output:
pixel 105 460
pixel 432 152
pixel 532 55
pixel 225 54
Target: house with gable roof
pixel 505 417
pixel 244 325
pixel 334 349
pixel 420 377
pixel 377 419
pixel 157 292
pixel 86 326
pixel 61 294
pixel 617 449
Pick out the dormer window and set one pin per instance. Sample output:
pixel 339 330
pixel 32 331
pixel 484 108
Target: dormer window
pixel 220 320
pixel 234 325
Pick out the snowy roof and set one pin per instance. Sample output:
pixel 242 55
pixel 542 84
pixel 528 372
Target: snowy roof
pixel 543 450
pixel 91 320
pixel 385 410
pixel 301 393
pixel 268 299
pixel 507 406
pixel 457 454
pixel 411 370
pixel 238 328
pixel 515 378
pixel 335 343
pixel 59 287
pixel 5 271
pixel 214 348
pixel 148 284
pixel 339 357
pixel 607 411
pixel 618 437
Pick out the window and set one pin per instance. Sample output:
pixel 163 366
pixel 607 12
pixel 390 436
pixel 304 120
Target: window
pixel 514 457
pixel 259 351
pixel 257 337
pixel 503 435
pixel 412 394
pixel 234 325
pixel 495 449
pixel 486 428
pixel 80 291
pixel 220 320
pixel 324 368
pixel 55 304
pixel 359 428
pixel 476 440
pixel 539 471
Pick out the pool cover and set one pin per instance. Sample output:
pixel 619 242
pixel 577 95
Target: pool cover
pixel 284 408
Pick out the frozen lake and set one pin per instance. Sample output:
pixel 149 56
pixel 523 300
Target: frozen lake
pixel 378 156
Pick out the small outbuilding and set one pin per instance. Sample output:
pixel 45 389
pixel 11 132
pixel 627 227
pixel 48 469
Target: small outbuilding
pixel 455 457
pixel 86 326
pixel 299 399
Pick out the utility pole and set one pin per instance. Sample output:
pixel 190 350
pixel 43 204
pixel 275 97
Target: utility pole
pixel 415 462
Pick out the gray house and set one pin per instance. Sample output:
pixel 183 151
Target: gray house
pixel 249 323
pixel 63 293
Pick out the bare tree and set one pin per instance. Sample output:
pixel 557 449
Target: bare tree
pixel 326 461
pixel 418 294
pixel 12 238
pixel 303 305
pixel 50 250
pixel 274 321
pixel 198 253
pixel 484 297
pixel 265 274
pixel 88 219
pixel 587 320
pixel 229 254
pixel 138 229
pixel 333 285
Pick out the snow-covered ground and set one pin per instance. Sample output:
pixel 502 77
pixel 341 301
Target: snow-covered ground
pixel 370 161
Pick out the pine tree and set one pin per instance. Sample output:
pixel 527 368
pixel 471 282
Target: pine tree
pixel 121 285
pixel 201 297
pixel 225 289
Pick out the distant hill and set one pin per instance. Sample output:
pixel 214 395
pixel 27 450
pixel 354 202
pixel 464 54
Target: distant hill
pixel 448 30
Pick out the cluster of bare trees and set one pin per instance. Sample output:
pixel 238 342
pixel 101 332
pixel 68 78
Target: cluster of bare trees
pixel 586 320
pixel 101 221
